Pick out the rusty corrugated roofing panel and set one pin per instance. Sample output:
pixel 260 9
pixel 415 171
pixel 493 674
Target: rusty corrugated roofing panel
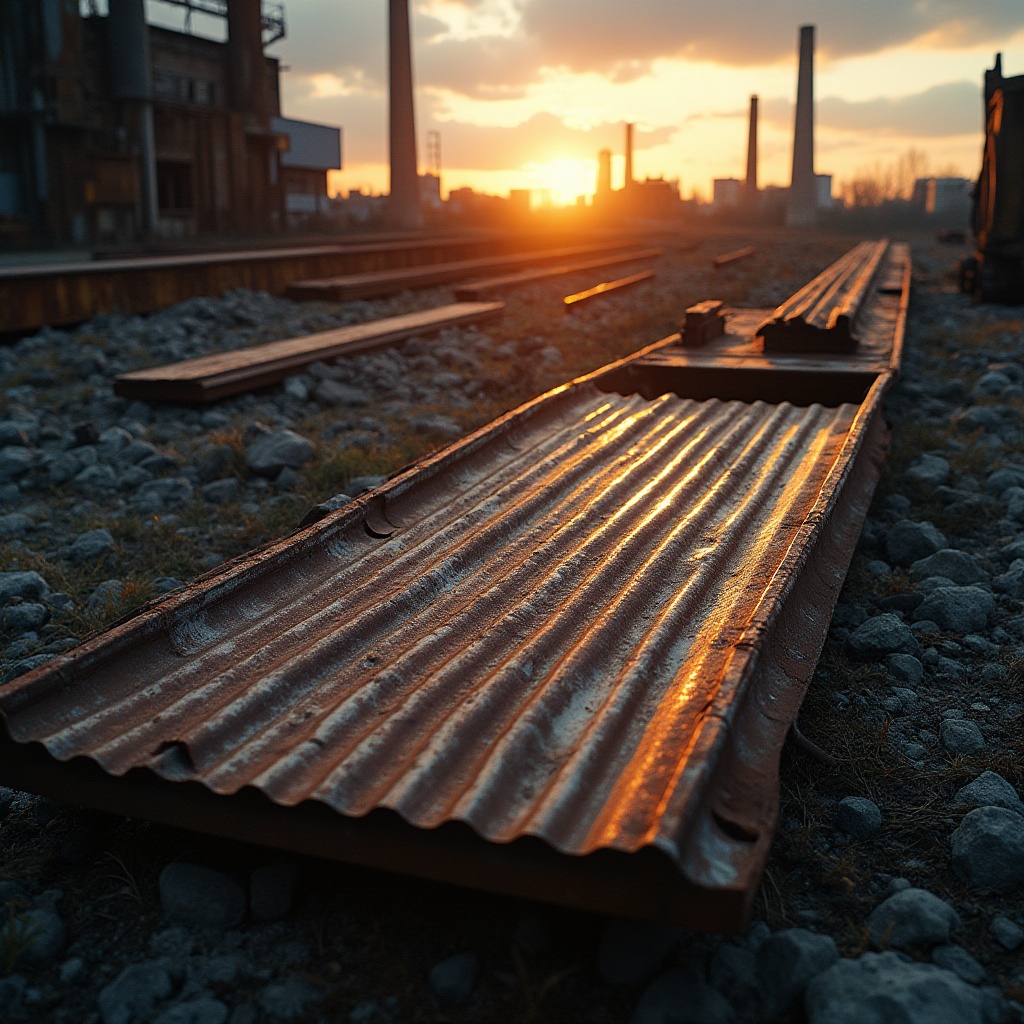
pixel 553 630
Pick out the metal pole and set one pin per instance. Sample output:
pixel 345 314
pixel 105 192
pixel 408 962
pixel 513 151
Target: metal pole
pixel 404 201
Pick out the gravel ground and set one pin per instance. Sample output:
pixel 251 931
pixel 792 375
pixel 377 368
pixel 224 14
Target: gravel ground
pixel 895 889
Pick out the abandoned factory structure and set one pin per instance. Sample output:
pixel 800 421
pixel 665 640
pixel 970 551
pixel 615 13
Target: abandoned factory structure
pixel 113 129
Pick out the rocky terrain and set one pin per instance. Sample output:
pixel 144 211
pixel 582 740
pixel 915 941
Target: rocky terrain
pixel 895 890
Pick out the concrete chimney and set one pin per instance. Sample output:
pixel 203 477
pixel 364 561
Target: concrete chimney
pixel 604 172
pixel 803 200
pixel 750 185
pixel 404 208
pixel 629 157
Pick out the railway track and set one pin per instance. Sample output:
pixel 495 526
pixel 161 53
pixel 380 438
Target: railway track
pixel 558 658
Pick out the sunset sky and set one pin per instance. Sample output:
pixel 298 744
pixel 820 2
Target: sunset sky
pixel 525 92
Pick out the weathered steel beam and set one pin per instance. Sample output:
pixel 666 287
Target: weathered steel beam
pixel 572 302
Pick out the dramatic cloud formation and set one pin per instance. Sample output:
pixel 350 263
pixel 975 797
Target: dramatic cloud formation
pixel 600 35
pixel 944 110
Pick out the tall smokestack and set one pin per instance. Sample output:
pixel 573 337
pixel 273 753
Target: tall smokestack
pixel 803 206
pixel 750 185
pixel 404 203
pixel 629 157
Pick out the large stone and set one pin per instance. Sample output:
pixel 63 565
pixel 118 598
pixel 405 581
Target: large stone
pixel 858 817
pixel 198 1011
pixel 1001 480
pixel 162 495
pixel 927 472
pixel 454 978
pixel 957 609
pixel 192 894
pixel 961 737
pixel 333 392
pixel 911 920
pixel 957 566
pixel 880 988
pixel 956 959
pixel 880 636
pixel 989 790
pixel 905 669
pixel 26 585
pixel 681 996
pixel 15 462
pixel 270 453
pixel 988 848
pixel 134 993
pixel 907 542
pixel 1012 581
pixel 786 964
pixel 39 936
pixel 90 546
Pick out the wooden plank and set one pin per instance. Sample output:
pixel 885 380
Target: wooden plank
pixel 228 373
pixel 732 257
pixel 388 282
pixel 475 291
pixel 572 301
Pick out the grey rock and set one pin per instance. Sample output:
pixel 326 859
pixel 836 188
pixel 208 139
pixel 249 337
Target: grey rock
pixel 41 936
pixel 71 970
pixel 214 462
pixel 905 668
pixel 881 988
pixel 1014 498
pixel 957 566
pixel 134 993
pixel 15 462
pixel 454 978
pixel 988 848
pixel 960 962
pixel 1001 480
pixel 786 964
pixel 858 817
pixel 26 585
pixel 25 617
pixel 879 636
pixel 134 452
pixel 334 393
pixel 218 492
pixel 192 894
pixel 957 609
pixel 199 1011
pixel 159 463
pixel 358 484
pixel 1007 933
pixel 272 891
pixel 989 790
pixel 911 920
pixel 90 547
pixel 443 425
pixel 161 495
pixel 907 542
pixel 105 596
pixel 681 996
pixel 1012 581
pixel 632 952
pixel 14 524
pixel 95 481
pixel 733 971
pixel 927 472
pixel 961 737
pixel 270 453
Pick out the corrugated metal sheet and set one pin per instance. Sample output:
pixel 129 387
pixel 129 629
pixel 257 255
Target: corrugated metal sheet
pixel 551 634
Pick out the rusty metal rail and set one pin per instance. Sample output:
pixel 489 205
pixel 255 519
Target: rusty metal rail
pixel 572 302
pixel 475 291
pixel 32 296
pixel 558 659
pixel 390 282
pixel 823 315
pixel 210 378
pixel 729 258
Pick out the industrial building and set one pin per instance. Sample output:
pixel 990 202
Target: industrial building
pixel 113 130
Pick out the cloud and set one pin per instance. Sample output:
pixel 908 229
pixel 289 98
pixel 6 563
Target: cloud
pixel 601 35
pixel 487 67
pixel 950 109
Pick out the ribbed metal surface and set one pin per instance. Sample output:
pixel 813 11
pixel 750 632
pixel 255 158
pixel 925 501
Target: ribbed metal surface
pixel 540 644
pixel 824 313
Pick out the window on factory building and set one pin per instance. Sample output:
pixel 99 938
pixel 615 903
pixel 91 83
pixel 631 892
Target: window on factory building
pixel 174 186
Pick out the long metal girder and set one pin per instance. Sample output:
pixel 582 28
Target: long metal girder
pixel 558 659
